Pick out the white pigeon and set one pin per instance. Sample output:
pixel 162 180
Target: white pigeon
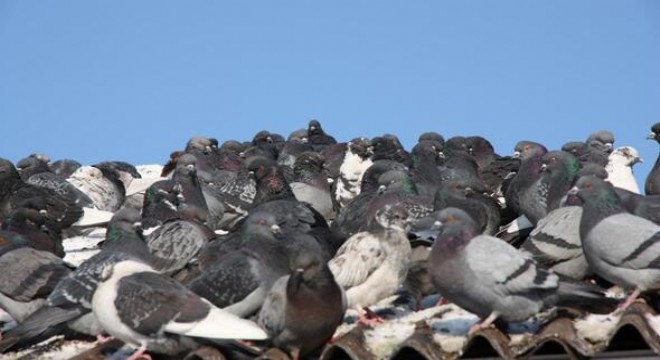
pixel 620 168
pixel 142 307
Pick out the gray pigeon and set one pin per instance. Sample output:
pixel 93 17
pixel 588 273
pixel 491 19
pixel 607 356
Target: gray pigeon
pixel 302 310
pixel 620 247
pixel 69 305
pixel 491 278
pixel 144 308
pixel 28 277
pixel 372 264
pixel 311 185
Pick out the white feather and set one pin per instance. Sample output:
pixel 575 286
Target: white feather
pixel 219 324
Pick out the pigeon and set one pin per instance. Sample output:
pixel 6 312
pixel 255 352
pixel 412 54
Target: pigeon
pixel 350 217
pixel 32 221
pixel 206 152
pixel 599 146
pixel 28 277
pixel 14 191
pixel 559 171
pixel 620 168
pixel 138 305
pixel 530 154
pixel 424 170
pixel 124 171
pixel 103 186
pixel 302 310
pixel 620 247
pixel 492 279
pixel 175 243
pixel 238 275
pixel 481 150
pixel 32 165
pixel 69 304
pixel 317 137
pixel 357 160
pixel 555 243
pixel 270 182
pixel 388 147
pixel 311 185
pixel 161 203
pixel 458 193
pixel 372 264
pixel 652 183
pixel 432 136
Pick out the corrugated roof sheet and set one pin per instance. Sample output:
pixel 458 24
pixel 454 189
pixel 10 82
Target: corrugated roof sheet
pixel 634 334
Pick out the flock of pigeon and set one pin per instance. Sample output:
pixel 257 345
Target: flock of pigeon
pixel 249 245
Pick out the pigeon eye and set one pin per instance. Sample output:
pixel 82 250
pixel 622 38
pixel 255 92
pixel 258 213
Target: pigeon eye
pixel 588 186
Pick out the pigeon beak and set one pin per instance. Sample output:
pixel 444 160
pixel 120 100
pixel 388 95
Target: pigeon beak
pixel 516 154
pixel 638 159
pixel 609 146
pixel 651 136
pixel 304 140
pixel 381 189
pixel 275 229
pixel 43 211
pixel 312 128
pixel 331 180
pixel 573 191
pixel 441 155
pixel 469 190
pixel 544 167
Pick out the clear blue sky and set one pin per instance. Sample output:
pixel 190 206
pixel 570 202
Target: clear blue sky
pixel 133 80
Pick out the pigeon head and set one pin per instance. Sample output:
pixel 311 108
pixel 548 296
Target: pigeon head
pixel 306 265
pixel 201 144
pixel 126 220
pixel 597 192
pixel 655 132
pixel 31 162
pixel 260 167
pixel 396 180
pixel 431 136
pixel 554 161
pixel 299 135
pixel 601 139
pixel 361 147
pixel 627 154
pixel 457 226
pixel 263 222
pixel 527 149
pixel 314 127
pixel 261 137
pixel 393 217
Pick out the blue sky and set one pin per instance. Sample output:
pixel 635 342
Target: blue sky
pixel 133 80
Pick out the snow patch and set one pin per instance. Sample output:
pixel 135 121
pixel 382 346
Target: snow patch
pixel 596 328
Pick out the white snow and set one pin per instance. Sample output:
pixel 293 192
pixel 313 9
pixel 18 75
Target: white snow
pixel 596 328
